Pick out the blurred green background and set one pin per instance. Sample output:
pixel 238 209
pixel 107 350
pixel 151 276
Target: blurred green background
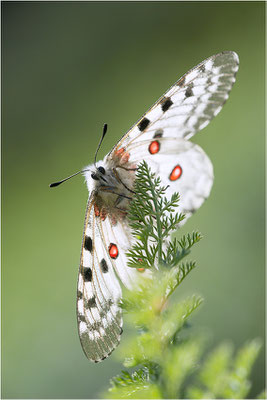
pixel 67 68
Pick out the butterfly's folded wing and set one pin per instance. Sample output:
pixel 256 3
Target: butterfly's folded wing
pixel 190 104
pixel 98 313
pixel 119 235
pixel 103 261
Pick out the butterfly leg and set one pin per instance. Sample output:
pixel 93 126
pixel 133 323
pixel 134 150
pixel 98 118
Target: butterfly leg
pixel 110 189
pixel 127 169
pixel 117 176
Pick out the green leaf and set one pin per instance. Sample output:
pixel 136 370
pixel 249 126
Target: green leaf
pixel 137 385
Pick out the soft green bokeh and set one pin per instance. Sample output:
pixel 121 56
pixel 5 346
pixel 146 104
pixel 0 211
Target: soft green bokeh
pixel 68 68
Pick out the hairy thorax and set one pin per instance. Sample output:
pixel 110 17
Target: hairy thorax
pixel 112 185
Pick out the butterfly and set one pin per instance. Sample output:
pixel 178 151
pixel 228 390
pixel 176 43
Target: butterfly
pixel 160 137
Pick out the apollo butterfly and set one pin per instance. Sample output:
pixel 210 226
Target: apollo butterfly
pixel 161 138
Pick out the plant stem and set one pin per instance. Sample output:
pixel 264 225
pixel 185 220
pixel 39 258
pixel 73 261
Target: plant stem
pixel 160 240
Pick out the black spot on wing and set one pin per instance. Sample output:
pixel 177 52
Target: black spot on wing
pixel 166 103
pixel 143 124
pixel 158 133
pixel 202 68
pixel 87 274
pixel 91 302
pixel 189 91
pixel 81 318
pixel 109 303
pixel 104 266
pixel 88 244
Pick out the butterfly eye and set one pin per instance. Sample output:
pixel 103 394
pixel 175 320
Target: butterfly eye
pixel 102 170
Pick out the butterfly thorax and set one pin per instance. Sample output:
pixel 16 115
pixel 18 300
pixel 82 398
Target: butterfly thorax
pixel 111 184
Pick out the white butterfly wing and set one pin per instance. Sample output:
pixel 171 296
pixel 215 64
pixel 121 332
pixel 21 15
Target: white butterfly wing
pixel 159 138
pixel 182 166
pixel 103 261
pixel 190 104
pixel 98 313
pixel 119 236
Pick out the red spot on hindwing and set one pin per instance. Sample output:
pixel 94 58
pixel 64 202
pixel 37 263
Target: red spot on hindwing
pixel 176 173
pixel 113 250
pixel 154 147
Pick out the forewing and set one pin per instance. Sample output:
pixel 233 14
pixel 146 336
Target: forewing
pixel 98 313
pixel 118 236
pixel 190 104
pixel 182 166
pixel 105 242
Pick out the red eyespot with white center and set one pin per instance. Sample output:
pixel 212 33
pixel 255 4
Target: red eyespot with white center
pixel 176 173
pixel 113 250
pixel 154 147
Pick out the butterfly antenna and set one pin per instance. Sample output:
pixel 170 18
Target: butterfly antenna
pixel 54 184
pixel 63 180
pixel 105 127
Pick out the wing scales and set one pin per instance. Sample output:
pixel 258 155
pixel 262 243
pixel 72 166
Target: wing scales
pixel 98 314
pixel 195 182
pixel 196 98
pixel 120 235
pixel 160 137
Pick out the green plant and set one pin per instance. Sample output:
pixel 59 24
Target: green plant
pixel 166 357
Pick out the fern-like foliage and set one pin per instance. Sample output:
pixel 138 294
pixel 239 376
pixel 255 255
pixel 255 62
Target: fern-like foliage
pixel 165 357
pixel 152 218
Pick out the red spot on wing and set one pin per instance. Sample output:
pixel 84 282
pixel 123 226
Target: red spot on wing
pixel 154 147
pixel 113 250
pixel 176 173
pixel 120 151
pixel 122 155
pixel 97 211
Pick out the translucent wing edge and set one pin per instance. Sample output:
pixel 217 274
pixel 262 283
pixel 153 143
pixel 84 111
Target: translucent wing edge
pixel 180 83
pixel 99 332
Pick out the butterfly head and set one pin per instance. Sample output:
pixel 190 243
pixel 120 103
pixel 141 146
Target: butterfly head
pixel 99 174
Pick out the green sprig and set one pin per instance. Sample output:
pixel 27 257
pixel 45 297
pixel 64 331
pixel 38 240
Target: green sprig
pixel 165 357
pixel 152 218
